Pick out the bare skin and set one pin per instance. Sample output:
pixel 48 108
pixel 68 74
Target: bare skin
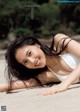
pixel 57 65
pixel 73 75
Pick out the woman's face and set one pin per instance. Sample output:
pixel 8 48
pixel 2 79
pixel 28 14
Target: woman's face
pixel 31 56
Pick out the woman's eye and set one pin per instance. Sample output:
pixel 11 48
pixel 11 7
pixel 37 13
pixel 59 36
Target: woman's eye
pixel 30 53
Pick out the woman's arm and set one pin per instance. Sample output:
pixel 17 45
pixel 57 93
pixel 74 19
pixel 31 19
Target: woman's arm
pixel 44 78
pixel 74 75
pixel 18 84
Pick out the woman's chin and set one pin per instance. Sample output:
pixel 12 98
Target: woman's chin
pixel 42 66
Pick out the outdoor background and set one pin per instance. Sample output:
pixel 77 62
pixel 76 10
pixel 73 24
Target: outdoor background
pixel 41 18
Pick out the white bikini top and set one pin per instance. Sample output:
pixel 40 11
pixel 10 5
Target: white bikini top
pixel 71 60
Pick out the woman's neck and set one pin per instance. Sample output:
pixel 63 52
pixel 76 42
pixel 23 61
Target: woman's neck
pixel 52 61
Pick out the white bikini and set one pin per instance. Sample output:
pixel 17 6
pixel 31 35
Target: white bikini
pixel 71 61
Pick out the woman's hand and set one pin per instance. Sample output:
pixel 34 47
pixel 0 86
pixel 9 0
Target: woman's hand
pixel 54 89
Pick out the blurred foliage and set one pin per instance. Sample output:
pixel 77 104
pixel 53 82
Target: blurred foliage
pixel 49 18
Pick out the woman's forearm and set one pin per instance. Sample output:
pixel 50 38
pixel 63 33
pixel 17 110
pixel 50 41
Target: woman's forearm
pixel 73 76
pixel 3 87
pixel 18 84
pixel 14 85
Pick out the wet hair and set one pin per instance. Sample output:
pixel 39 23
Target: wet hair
pixel 19 71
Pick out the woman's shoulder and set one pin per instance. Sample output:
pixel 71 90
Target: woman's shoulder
pixel 60 37
pixel 60 40
pixel 72 45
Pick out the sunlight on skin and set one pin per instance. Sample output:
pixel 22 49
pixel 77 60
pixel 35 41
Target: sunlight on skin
pixel 52 90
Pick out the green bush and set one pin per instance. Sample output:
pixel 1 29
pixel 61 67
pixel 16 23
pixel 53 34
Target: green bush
pixel 22 31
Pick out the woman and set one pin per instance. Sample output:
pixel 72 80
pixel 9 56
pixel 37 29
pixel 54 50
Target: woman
pixel 35 64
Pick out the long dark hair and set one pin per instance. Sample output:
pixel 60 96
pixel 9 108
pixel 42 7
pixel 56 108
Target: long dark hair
pixel 16 69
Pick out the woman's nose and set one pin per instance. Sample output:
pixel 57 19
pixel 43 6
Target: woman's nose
pixel 31 60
